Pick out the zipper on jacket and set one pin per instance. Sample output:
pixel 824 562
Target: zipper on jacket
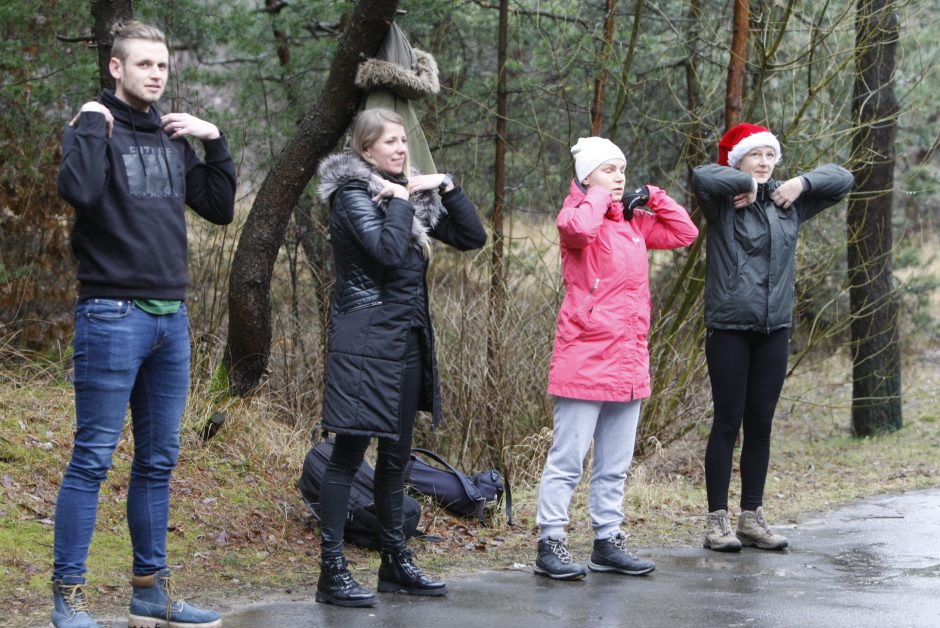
pixel 584 302
pixel 360 307
pixel 597 281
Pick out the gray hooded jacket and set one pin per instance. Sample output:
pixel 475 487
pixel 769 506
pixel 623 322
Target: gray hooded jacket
pixel 750 252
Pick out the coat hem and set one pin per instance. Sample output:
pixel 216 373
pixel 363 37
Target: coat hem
pixel 592 394
pixel 348 431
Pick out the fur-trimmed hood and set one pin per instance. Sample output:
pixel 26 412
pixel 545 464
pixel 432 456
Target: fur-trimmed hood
pixel 408 83
pixel 338 169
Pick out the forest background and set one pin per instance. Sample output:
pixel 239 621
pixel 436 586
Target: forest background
pixel 258 69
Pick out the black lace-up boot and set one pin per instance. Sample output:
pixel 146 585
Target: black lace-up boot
pixel 398 573
pixel 337 586
pixel 555 561
pixel 611 555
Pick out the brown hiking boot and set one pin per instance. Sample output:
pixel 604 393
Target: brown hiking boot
pixel 753 531
pixel 718 534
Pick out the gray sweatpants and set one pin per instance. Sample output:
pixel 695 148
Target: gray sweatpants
pixel 612 427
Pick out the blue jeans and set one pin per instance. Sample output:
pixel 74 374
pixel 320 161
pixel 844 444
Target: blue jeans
pixel 123 355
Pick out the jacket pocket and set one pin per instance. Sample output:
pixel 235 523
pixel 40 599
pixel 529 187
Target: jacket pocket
pixel 349 327
pixel 362 306
pixel 581 319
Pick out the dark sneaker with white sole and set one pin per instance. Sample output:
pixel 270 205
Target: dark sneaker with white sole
pixel 611 555
pixel 554 561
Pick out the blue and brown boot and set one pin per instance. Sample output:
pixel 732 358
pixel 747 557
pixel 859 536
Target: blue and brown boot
pixel 154 604
pixel 70 606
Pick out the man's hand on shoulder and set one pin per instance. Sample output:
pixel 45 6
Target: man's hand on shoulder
pixel 94 107
pixel 183 124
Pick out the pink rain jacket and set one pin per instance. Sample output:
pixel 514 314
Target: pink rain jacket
pixel 600 349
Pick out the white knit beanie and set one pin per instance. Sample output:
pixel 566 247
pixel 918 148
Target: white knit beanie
pixel 591 152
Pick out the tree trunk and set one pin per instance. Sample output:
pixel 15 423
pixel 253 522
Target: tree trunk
pixel 696 153
pixel 106 13
pixel 625 71
pixel 249 336
pixel 734 95
pixel 494 343
pixel 876 357
pixel 600 82
pixel 310 217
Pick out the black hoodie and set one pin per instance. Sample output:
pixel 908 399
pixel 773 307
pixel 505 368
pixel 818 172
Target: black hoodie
pixel 129 192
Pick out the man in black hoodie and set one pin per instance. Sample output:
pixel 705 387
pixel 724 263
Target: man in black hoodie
pixel 129 173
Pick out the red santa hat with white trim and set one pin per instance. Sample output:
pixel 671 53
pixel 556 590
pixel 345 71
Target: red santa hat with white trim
pixel 742 139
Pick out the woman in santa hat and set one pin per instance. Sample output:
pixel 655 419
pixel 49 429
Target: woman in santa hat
pixel 753 222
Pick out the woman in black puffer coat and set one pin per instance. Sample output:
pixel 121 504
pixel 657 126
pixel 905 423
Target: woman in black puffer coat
pixel 381 367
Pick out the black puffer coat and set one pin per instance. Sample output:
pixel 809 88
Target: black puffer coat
pixel 750 252
pixel 380 281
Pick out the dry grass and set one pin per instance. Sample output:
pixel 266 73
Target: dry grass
pixel 238 526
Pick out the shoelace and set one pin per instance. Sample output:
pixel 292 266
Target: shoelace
pixel 74 595
pixel 725 524
pixel 343 575
pixel 170 592
pixel 346 578
pixel 620 542
pixel 559 550
pixel 407 559
pixel 763 523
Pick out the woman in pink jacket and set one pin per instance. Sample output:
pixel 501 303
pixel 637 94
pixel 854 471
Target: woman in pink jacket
pixel 600 363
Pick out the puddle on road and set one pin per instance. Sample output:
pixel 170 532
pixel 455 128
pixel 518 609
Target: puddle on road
pixel 865 566
pixel 931 571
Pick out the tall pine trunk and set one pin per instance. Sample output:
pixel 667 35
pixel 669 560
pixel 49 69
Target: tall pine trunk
pixel 105 14
pixel 600 81
pixel 876 356
pixel 497 300
pixel 737 64
pixel 249 333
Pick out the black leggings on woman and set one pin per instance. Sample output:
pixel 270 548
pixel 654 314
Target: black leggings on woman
pixel 746 369
pixel 393 456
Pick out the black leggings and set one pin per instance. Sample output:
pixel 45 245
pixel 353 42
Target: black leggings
pixel 393 456
pixel 746 369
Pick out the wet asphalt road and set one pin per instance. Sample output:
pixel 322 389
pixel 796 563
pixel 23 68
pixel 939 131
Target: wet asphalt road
pixel 875 563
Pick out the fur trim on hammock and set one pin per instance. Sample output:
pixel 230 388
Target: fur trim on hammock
pixel 408 84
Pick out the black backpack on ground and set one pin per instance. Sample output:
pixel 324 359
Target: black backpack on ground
pixel 362 521
pixel 463 495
